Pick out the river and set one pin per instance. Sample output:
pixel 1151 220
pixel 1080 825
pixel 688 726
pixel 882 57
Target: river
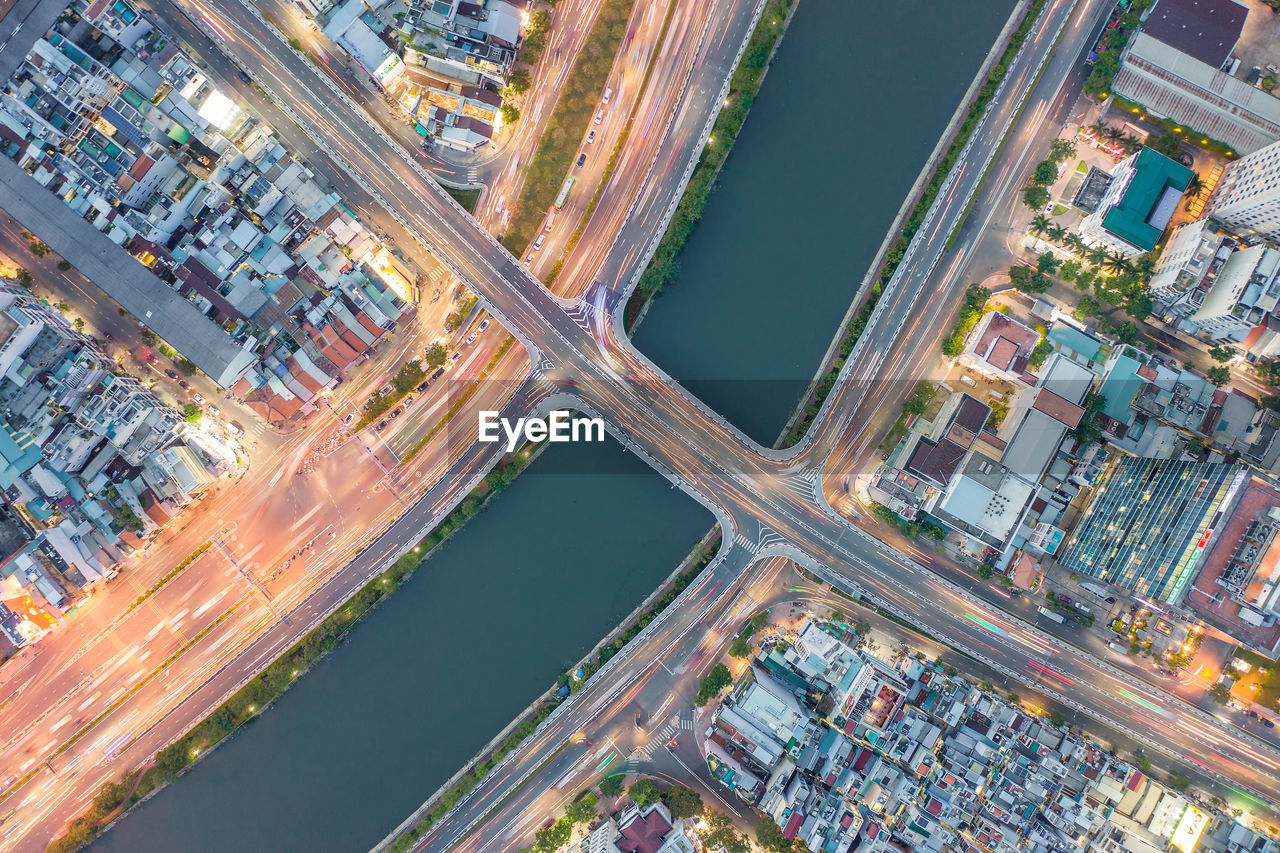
pixel 853 104
pixel 852 107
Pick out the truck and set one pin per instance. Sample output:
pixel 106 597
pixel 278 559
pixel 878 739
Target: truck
pixel 1049 614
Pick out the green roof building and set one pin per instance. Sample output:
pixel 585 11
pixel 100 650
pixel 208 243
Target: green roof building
pixel 1136 208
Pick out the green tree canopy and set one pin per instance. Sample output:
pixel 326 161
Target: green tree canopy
pixel 682 801
pixel 644 792
pixel 712 683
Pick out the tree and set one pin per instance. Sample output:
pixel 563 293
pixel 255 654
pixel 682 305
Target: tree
pixel 611 786
pixel 720 833
pixel 454 321
pixel 510 115
pixel 185 366
pixel 1167 144
pixel 519 81
pixel 64 265
pixel 770 836
pixel 1035 197
pixel 191 413
pixel 1088 307
pixel 1061 150
pixel 1040 225
pixel 1047 263
pixel 1069 270
pixel 1179 783
pixel 1117 263
pixel 1056 718
pixel 1046 173
pixel 741 648
pixel 1057 233
pixel 644 792
pixel 1139 307
pixel 1097 256
pixel 1220 693
pixel 37 247
pixel 296 44
pixel 78 324
pixel 682 802
pixel 1196 185
pixel 1218 375
pixel 1127 333
pixel 583 810
pixel 1222 353
pixel 149 337
pixel 953 344
pixel 985 572
pixel 23 277
pixel 1144 763
pixel 710 686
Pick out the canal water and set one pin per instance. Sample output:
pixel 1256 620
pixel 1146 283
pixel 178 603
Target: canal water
pixel 857 97
pixel 522 593
pixel 852 107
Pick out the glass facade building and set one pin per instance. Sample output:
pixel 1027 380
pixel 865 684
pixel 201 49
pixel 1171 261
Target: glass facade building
pixel 1150 521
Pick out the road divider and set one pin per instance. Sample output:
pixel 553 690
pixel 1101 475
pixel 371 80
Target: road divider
pixel 170 575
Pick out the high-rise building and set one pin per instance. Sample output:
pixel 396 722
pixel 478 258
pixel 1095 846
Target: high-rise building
pixel 1137 204
pixel 1247 199
pixel 1149 521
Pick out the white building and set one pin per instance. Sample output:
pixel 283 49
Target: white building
pixel 1137 205
pixel 1247 198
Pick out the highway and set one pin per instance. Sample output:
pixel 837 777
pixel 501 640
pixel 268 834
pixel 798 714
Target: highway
pixel 769 503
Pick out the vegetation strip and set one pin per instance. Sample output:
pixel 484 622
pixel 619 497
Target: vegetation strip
pixel 568 122
pixel 554 273
pixel 458 402
pixel 170 575
pixel 897 250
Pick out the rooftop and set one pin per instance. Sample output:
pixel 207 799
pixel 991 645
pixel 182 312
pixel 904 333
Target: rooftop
pixel 1145 206
pixel 1205 29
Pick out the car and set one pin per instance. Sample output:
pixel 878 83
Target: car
pixel 537 244
pixel 172 374
pixel 236 428
pixel 591 137
pixel 1110 599
pixel 599 116
pixel 471 338
pixel 381 426
pixel 348 419
pixel 1249 712
pixel 439 372
pixel 484 325
pixel 608 93
pixel 244 78
pixel 455 356
pixel 395 413
pixel 184 385
pixel 1267 722
pixel 582 158
pixel 422 386
pixel 213 410
pixel 200 401
pixel 408 400
pixel 386 389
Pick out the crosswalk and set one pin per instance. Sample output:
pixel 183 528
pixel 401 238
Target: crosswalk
pixel 473 175
pixel 683 723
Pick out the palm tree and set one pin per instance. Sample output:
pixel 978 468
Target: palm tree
pixel 1114 134
pixel 1075 244
pixel 1143 267
pixel 1040 225
pixel 1117 263
pixel 1097 256
pixel 1057 233
pixel 1196 185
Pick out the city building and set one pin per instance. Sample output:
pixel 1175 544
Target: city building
pixel 1238 587
pixel 1216 285
pixel 910 757
pixel 354 27
pixel 648 829
pixel 1247 197
pixel 1138 203
pixel 1146 525
pixel 91 462
pixel 253 270
pixel 1000 346
pixel 465 39
pixel 1180 67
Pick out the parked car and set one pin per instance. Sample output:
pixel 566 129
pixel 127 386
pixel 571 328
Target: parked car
pixel 591 137
pixel 455 356
pixel 348 419
pixel 381 426
pixel 200 401
pixel 608 93
pixel 386 389
pixel 537 244
pixel 484 325
pixel 439 372
pixel 235 428
pixel 599 116
pixel 582 158
pixel 422 386
pixel 471 338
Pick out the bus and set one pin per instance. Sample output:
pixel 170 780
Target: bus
pixel 564 193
